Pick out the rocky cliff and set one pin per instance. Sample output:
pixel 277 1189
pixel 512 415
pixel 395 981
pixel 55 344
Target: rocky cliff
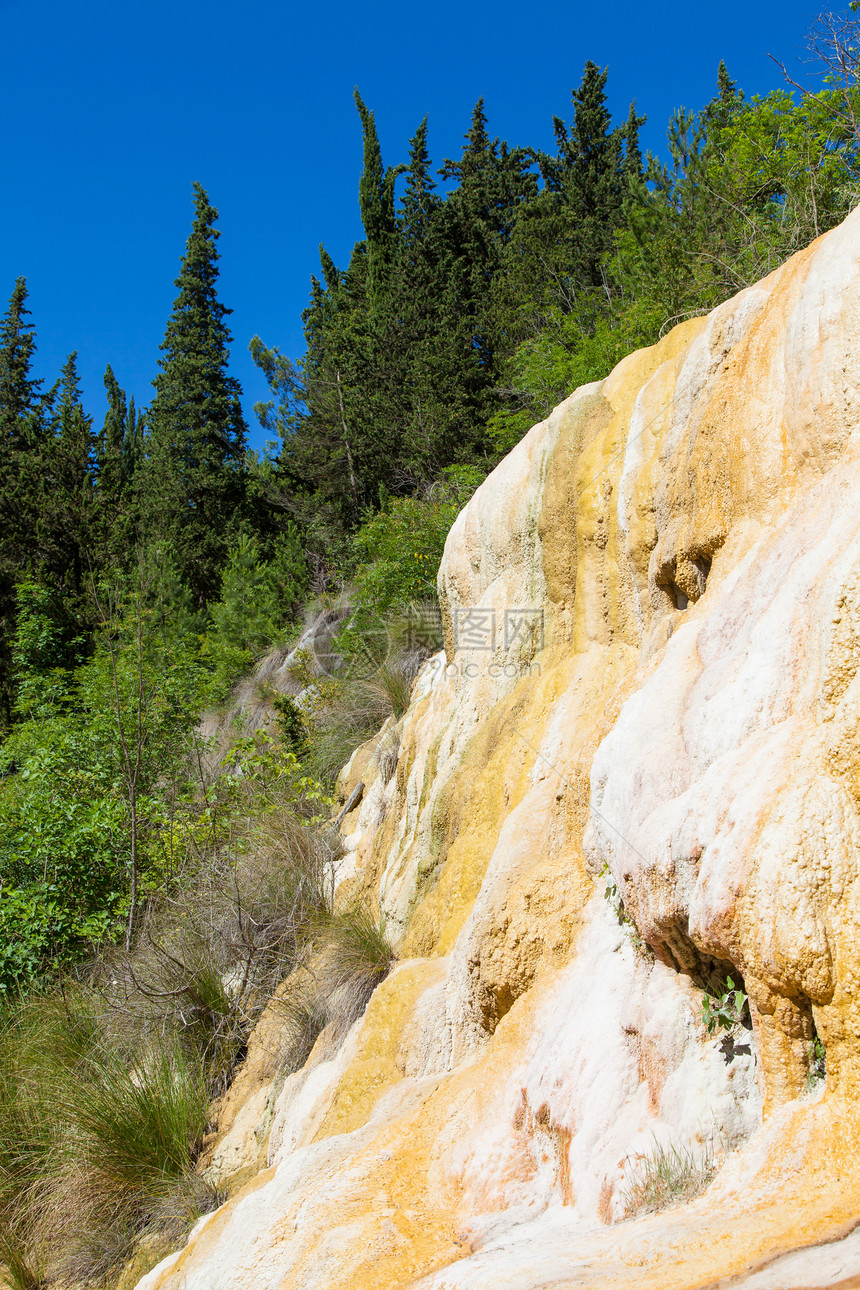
pixel 633 774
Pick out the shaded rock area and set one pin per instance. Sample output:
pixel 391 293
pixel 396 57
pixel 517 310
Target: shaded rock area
pixel 633 773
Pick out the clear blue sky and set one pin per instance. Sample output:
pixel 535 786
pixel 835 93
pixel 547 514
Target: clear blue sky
pixel 111 110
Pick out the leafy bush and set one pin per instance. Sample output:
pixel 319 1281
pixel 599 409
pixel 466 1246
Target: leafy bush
pixel 817 1063
pixel 570 350
pixel 397 551
pixel 88 778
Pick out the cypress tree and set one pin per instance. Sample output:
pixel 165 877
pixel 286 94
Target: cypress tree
pixel 632 165
pixel 194 488
pixel 18 390
pixel 376 202
pixel 109 453
pixel 594 185
pixel 478 217
pixel 419 200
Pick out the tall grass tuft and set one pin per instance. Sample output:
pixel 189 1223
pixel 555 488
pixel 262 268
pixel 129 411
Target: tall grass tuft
pixel 669 1176
pixel 92 1138
pixel 22 1271
pixel 356 957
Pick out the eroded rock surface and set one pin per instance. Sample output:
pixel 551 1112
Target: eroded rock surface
pixel 635 770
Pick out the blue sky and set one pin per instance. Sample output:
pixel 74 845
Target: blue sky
pixel 111 110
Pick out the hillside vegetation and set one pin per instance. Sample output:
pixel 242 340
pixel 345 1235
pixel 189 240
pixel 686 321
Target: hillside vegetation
pixel 155 891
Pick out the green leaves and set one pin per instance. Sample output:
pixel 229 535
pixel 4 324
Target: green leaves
pixel 69 811
pixel 726 1010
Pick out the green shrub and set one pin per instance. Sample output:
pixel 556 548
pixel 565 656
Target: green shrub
pixel 570 350
pixel 817 1063
pixel 397 551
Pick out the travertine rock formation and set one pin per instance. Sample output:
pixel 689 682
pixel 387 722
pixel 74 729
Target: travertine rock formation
pixel 644 778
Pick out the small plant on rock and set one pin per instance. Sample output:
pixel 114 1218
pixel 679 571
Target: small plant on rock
pixel 725 1010
pixel 668 1176
pixel 615 900
pixel 817 1063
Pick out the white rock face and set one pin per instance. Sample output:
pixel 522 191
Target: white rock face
pixel 650 686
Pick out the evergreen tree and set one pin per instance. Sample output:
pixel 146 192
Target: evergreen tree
pixel 494 184
pixel 420 202
pixel 20 470
pixel 590 168
pixel 194 485
pixel 18 390
pixel 376 203
pixel 67 550
pixel 632 164
pixel 110 455
pixel 116 454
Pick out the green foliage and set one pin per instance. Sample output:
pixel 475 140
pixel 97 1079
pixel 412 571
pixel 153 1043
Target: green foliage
pixel 45 650
pixel 73 824
pixel 273 776
pixel 259 600
pixel 725 1009
pixel 194 479
pixel 749 183
pixel 571 350
pixel 397 550
pixel 292 727
pixel 817 1063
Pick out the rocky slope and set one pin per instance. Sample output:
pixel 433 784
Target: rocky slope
pixel 635 771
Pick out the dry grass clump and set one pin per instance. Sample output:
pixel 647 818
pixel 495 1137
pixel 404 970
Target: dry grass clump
pixel 373 683
pixel 94 1139
pixel 669 1176
pixel 355 956
pixel 388 753
pixel 213 950
pixel 105 1087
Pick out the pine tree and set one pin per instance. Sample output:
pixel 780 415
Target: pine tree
pixel 116 452
pixel 20 470
pixel 194 486
pixel 67 549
